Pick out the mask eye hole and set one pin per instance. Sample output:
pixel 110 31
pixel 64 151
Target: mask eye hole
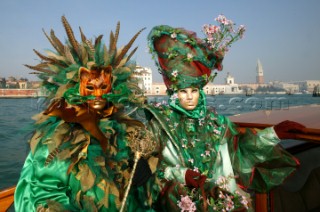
pixel 103 87
pixel 90 87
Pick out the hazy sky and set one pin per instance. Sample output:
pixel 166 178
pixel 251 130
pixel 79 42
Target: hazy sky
pixel 283 34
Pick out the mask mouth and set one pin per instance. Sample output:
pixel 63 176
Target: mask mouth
pixel 97 103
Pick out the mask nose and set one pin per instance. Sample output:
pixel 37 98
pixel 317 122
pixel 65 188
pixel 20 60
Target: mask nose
pixel 98 93
pixel 189 95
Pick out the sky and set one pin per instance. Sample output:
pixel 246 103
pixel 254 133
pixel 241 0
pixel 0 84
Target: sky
pixel 282 34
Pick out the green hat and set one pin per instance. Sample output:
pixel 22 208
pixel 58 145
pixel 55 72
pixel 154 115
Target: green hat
pixel 184 60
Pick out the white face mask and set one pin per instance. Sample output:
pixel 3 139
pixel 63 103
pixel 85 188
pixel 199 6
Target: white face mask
pixel 188 98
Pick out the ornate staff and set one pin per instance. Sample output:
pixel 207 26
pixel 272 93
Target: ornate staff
pixel 142 144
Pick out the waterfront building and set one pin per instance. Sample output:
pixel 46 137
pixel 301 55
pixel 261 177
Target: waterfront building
pixel 12 83
pixel 24 84
pixel 36 84
pixel 144 76
pixel 2 82
pixel 290 88
pixel 251 86
pixel 214 89
pixel 307 86
pixel 229 87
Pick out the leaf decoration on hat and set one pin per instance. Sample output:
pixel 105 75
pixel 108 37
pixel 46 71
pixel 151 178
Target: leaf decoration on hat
pixel 184 60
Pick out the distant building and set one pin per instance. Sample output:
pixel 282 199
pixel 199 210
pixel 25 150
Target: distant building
pixel 12 83
pixel 144 76
pixel 307 85
pixel 36 84
pixel 259 78
pixel 230 87
pixel 2 82
pixel 252 86
pixel 24 84
pixel 158 88
pixel 214 89
pixel 288 87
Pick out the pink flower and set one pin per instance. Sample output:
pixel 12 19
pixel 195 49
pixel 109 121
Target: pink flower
pixel 222 19
pixel 186 204
pixel 158 104
pixel 213 29
pixel 221 195
pixel 220 38
pixel 244 201
pixel 174 96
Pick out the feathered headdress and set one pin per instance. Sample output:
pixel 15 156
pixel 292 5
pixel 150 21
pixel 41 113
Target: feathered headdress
pixel 59 69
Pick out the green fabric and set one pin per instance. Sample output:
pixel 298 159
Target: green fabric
pixel 200 50
pixel 183 53
pixel 213 146
pixel 95 176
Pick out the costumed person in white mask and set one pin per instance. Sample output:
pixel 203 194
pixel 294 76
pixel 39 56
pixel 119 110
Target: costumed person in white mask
pixel 205 163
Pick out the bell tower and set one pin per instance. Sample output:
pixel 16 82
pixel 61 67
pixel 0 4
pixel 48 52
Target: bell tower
pixel 259 78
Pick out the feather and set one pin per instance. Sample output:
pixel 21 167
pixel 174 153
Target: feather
pixel 89 43
pixel 98 56
pixel 111 40
pixel 84 55
pixel 40 69
pixel 115 39
pixel 83 37
pixel 68 55
pixel 54 68
pixel 122 62
pixel 42 57
pixel 119 51
pixel 57 42
pixel 127 47
pixel 50 59
pixel 131 53
pixel 51 156
pixel 105 55
pixel 97 41
pixel 91 51
pixel 70 35
pixel 51 42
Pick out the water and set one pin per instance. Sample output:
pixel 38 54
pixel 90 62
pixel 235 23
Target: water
pixel 15 123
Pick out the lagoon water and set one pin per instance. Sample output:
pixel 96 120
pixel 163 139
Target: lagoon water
pixel 16 123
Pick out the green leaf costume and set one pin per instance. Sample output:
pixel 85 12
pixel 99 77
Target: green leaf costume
pixel 67 169
pixel 202 141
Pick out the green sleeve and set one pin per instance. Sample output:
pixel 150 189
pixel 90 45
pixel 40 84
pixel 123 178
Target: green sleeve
pixel 257 158
pixel 39 183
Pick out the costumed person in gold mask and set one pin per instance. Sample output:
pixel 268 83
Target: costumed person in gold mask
pixel 79 159
pixel 206 164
